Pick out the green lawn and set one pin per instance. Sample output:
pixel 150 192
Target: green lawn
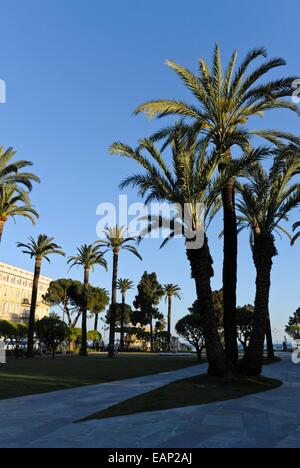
pixel 190 392
pixel 20 377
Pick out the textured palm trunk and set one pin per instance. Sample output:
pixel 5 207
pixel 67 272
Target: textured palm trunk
pixel 151 336
pixel 31 325
pixel 1 229
pixel 263 252
pixel 96 322
pixel 169 321
pixel 83 351
pixel 65 306
pixel 122 322
pixel 202 272
pixel 111 346
pixel 270 346
pixel 230 271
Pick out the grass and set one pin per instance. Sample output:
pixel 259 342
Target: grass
pixel 196 391
pixel 21 377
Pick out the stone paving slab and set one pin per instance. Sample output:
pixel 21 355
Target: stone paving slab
pixel 25 420
pixel 264 420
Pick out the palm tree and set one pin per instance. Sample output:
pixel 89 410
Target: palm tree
pixel 124 285
pixel 266 201
pixel 39 250
pixel 297 235
pixel 191 182
pixel 14 202
pixel 10 171
pixel 116 241
pixel 225 101
pixel 88 256
pixel 170 291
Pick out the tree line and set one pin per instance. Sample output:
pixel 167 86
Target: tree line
pixel 207 155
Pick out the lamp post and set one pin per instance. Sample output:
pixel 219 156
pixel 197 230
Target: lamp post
pixel 275 332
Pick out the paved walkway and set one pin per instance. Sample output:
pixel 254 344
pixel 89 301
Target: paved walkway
pixel 264 420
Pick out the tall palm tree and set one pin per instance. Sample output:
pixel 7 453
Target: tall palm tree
pixel 14 202
pixel 88 256
pixel 39 249
pixel 124 285
pixel 266 201
pixel 224 103
pixel 10 172
pixel 171 291
pixel 116 240
pixel 189 183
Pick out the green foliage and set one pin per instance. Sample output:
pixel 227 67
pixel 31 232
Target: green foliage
pixel 190 180
pixel 172 290
pixel 190 329
pixel 15 202
pixel 268 199
pixel 161 340
pixel 75 336
pixel 245 318
pixel 225 100
pixel 98 299
pixel 218 306
pixel 41 248
pixel 11 171
pixel 297 235
pixel 52 331
pixel 293 327
pixel 88 256
pixel 149 295
pixel 67 294
pixel 124 285
pixel 116 240
pixel 12 331
pixel 118 314
pixel 94 336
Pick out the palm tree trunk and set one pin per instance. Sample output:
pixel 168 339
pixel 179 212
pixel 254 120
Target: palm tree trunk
pixel 230 271
pixel 263 252
pixel 169 321
pixel 1 229
pixel 122 322
pixel 35 287
pixel 65 306
pixel 270 346
pixel 96 322
pixel 83 351
pixel 151 336
pixel 202 272
pixel 111 346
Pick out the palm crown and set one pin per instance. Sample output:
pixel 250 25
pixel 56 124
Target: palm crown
pixel 10 171
pixel 116 240
pixel 88 256
pixel 268 198
pixel 297 235
pixel 124 285
pixel 41 248
pixel 15 202
pixel 191 180
pixel 226 100
pixel 172 290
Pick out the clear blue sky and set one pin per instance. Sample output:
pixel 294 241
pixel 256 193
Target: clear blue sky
pixel 76 69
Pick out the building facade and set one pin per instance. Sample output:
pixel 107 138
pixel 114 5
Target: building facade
pixel 15 294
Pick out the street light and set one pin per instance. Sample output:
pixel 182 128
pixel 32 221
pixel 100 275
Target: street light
pixel 275 332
